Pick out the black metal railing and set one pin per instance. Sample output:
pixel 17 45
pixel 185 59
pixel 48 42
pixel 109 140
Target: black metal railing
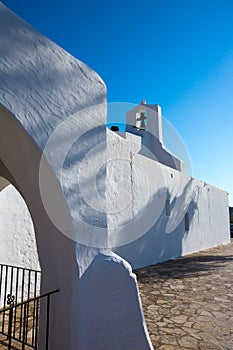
pixel 18 281
pixel 21 322
pixel 17 284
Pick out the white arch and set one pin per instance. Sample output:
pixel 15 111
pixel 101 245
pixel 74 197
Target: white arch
pixel 41 86
pixel 21 158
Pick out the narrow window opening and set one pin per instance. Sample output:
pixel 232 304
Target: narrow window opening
pixel 141 119
pixel 168 207
pixel 186 220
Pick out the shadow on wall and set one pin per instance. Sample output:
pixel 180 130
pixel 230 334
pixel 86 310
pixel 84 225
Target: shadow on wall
pixel 43 92
pixel 163 156
pixel 164 240
pixel 89 147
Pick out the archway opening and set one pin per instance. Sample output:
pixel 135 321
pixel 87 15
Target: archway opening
pixel 17 235
pixel 20 272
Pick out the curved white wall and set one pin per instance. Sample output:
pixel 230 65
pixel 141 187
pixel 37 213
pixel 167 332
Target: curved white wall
pixel 17 235
pixel 42 90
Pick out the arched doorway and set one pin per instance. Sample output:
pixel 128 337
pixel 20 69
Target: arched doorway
pixel 17 236
pixel 20 160
pixel 19 270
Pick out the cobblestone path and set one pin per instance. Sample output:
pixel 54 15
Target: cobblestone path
pixel 188 302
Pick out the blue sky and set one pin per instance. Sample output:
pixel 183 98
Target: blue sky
pixel 176 53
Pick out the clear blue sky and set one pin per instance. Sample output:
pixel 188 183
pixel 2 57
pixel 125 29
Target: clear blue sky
pixel 177 53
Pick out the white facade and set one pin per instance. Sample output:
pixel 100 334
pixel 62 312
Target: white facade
pixel 162 200
pixel 42 91
pixel 169 214
pixel 99 201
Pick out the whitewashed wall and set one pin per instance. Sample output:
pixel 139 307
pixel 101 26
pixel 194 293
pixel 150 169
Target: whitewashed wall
pixel 18 246
pixel 17 235
pixel 46 95
pixel 139 228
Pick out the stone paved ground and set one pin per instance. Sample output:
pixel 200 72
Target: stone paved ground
pixel 188 302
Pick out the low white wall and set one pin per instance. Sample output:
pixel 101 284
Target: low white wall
pixel 139 229
pixel 111 316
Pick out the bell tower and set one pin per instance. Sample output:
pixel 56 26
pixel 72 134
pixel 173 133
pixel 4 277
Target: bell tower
pixel 146 117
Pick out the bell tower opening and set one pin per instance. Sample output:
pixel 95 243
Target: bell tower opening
pixel 141 118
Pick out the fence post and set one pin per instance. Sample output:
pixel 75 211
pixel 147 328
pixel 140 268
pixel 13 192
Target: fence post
pixel 47 326
pixel 10 302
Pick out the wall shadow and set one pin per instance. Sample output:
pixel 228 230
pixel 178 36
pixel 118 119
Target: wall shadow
pixel 156 245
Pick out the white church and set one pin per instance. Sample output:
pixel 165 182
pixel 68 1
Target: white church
pixel 181 215
pixel 86 204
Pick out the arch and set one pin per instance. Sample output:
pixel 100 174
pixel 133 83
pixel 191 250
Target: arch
pixel 17 234
pixel 20 159
pixel 42 87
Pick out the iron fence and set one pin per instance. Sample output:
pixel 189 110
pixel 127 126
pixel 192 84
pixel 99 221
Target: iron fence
pixel 21 322
pixel 20 308
pixel 18 281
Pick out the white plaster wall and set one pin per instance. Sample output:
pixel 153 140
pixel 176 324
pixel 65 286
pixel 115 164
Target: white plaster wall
pixel 111 298
pixel 147 144
pixel 17 236
pixel 42 87
pixel 140 230
pixel 41 83
pixel 18 244
pixel 154 119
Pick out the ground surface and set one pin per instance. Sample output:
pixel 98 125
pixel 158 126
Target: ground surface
pixel 188 302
